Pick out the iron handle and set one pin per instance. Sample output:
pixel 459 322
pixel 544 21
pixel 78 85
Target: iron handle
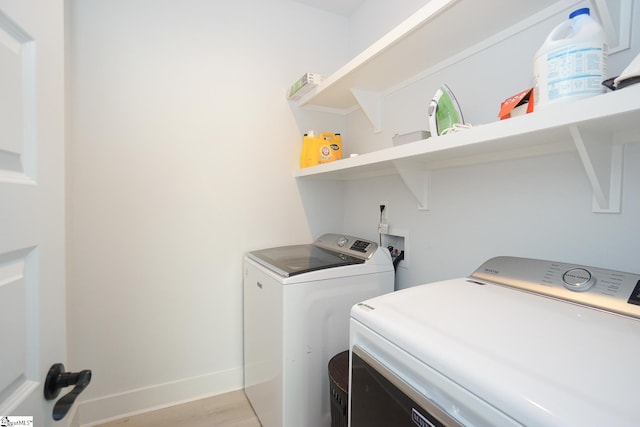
pixel 57 379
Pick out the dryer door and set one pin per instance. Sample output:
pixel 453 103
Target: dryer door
pixel 380 399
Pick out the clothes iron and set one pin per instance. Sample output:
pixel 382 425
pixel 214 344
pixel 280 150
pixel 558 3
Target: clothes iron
pixel 444 111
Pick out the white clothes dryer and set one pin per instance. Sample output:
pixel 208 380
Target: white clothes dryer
pixel 296 317
pixel 520 342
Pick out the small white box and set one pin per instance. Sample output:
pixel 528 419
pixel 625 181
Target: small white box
pixel 406 138
pixel 303 85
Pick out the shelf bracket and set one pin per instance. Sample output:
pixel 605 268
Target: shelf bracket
pixel 417 178
pixel 602 160
pixel 371 105
pixel 615 17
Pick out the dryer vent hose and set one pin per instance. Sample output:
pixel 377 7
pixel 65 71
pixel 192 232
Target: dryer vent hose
pixel 397 259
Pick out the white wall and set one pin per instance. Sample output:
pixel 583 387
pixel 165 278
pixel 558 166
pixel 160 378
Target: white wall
pixel 181 155
pixel 374 18
pixel 537 207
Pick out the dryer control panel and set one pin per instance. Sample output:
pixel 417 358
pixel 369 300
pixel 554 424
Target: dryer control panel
pixel 609 290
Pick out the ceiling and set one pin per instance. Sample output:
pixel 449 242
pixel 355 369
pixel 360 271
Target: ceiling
pixel 341 7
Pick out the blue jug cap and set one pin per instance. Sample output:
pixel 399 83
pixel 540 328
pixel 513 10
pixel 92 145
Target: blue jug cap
pixel 583 11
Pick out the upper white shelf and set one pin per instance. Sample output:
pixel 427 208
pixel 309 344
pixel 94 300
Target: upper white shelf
pixel 433 34
pixel 596 127
pixel 441 32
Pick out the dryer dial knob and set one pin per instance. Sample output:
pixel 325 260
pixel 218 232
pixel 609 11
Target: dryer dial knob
pixel 342 241
pixel 578 279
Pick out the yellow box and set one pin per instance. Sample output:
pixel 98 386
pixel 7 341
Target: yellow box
pixel 319 149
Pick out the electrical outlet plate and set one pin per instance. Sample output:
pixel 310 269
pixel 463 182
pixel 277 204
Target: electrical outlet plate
pixel 384 217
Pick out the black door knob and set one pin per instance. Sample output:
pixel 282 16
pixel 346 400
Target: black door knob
pixel 57 379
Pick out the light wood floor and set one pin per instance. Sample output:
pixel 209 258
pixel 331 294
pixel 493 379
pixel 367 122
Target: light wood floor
pixel 227 410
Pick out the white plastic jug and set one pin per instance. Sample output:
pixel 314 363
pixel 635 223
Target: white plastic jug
pixel 572 62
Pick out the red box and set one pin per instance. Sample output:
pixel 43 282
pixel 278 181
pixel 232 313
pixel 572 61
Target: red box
pixel 516 105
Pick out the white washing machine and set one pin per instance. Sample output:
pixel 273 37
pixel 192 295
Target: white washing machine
pixel 520 342
pixel 296 317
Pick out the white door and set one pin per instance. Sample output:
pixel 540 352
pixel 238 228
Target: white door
pixel 32 227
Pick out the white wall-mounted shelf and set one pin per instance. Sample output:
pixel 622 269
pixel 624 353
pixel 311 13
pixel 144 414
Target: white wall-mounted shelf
pixel 433 36
pixel 597 128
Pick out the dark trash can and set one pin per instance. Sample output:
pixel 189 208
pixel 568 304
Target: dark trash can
pixel 339 388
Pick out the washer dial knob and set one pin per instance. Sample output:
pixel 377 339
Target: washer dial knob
pixel 342 241
pixel 578 279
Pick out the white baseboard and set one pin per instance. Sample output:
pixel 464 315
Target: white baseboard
pixel 133 402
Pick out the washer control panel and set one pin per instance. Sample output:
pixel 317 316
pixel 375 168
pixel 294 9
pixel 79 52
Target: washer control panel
pixel 348 245
pixel 610 290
